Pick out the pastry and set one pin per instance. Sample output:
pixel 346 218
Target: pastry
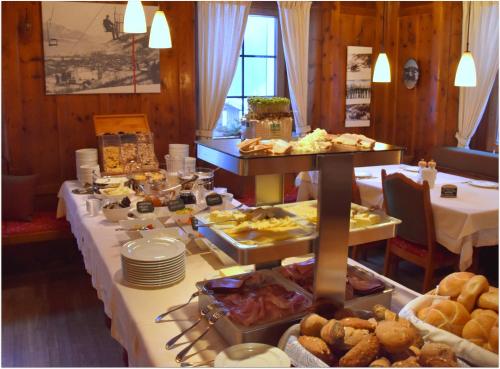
pixel 452 284
pixel 478 330
pixel 471 291
pixel 476 312
pixel 311 325
pixel 382 362
pixel 353 336
pixel 488 300
pixel 358 323
pixel 394 336
pixel 362 354
pixel 382 313
pixel 246 144
pixel 410 362
pixel 317 347
pixel 437 355
pixel 422 313
pixel 333 332
pixel 448 315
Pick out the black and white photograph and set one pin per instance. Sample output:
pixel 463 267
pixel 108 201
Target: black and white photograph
pixel 358 86
pixel 87 52
pixel 357 112
pixel 411 73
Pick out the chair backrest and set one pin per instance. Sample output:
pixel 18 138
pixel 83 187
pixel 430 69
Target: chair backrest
pixel 409 201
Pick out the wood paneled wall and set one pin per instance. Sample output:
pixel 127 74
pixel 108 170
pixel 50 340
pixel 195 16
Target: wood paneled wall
pixel 429 32
pixel 42 132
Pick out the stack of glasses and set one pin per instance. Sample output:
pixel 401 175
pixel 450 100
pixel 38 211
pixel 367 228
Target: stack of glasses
pixel 178 160
pixel 86 165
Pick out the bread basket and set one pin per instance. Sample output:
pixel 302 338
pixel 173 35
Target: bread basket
pixel 464 349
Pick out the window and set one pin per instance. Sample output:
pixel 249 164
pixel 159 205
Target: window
pixel 258 73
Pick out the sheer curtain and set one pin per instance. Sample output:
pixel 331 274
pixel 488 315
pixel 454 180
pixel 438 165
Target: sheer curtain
pixel 294 21
pixel 221 26
pixel 484 47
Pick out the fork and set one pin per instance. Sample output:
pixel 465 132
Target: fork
pixel 212 319
pixel 161 316
pixel 203 313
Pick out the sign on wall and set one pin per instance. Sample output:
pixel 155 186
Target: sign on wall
pixel 86 50
pixel 358 86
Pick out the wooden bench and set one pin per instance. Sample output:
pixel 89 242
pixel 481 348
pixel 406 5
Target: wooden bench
pixel 43 227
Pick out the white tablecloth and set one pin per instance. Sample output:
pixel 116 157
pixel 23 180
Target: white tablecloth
pixel 470 220
pixel 132 310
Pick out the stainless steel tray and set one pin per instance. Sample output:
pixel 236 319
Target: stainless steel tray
pixel 358 302
pixel 270 332
pixel 225 154
pixel 252 254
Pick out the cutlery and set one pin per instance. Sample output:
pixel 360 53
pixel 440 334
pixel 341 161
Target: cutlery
pixel 173 340
pixel 161 316
pixel 189 235
pixel 194 365
pixel 212 319
pixel 145 228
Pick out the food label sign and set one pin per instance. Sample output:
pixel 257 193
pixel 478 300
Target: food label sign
pixel 177 204
pixel 145 207
pixel 213 199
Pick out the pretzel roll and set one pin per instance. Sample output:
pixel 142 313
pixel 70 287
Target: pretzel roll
pixel 478 330
pixel 471 291
pixel 452 284
pixel 488 300
pixel 448 315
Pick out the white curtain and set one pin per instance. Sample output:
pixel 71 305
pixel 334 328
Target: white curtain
pixel 221 26
pixel 294 21
pixel 483 45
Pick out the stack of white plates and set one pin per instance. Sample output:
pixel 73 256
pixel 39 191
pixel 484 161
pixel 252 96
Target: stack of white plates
pixel 88 159
pixel 153 262
pixel 179 151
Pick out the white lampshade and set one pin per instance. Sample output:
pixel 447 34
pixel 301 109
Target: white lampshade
pixel 466 71
pixel 159 36
pixel 382 72
pixel 135 19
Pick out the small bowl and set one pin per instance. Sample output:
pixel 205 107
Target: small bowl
pixel 115 215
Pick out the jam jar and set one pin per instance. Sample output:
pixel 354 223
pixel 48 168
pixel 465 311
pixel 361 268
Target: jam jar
pixel 188 197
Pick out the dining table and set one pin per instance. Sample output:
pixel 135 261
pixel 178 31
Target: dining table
pixel 133 310
pixel 470 220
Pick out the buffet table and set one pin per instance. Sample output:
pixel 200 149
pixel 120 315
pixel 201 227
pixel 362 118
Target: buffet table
pixel 132 310
pixel 462 223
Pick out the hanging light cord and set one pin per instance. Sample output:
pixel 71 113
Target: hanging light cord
pixel 468 26
pixel 383 28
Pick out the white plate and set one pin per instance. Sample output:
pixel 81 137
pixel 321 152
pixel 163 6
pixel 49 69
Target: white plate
pixel 134 224
pixel 483 184
pixel 171 232
pixel 151 249
pixel 409 168
pixel 252 355
pixel 111 181
pixel 161 284
pixel 148 280
pixel 153 265
pixel 155 272
pixel 362 174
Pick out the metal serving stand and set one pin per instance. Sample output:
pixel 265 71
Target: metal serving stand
pixel 330 243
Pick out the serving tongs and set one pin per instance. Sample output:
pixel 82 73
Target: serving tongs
pixel 195 294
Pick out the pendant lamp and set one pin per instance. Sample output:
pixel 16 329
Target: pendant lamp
pixel 135 19
pixel 466 71
pixel 159 36
pixel 382 72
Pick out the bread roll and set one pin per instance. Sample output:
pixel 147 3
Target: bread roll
pixel 353 336
pixel 422 313
pixel 476 312
pixel 317 347
pixel 382 362
pixel 452 284
pixel 311 325
pixel 362 354
pixel 410 362
pixel 478 330
pixel 471 291
pixel 488 300
pixel 493 339
pixel 394 336
pixel 333 333
pixel 437 355
pixel 448 315
pixel 358 323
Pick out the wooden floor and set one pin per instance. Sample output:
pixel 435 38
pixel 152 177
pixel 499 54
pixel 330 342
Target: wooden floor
pixel 51 315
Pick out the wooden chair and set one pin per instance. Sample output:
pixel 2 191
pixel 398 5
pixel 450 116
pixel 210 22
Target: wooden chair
pixel 416 237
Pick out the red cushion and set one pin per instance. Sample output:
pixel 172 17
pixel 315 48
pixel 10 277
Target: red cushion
pixel 421 250
pixel 41 222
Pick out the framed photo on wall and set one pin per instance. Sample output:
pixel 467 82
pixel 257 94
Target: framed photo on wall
pixel 358 86
pixel 87 52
